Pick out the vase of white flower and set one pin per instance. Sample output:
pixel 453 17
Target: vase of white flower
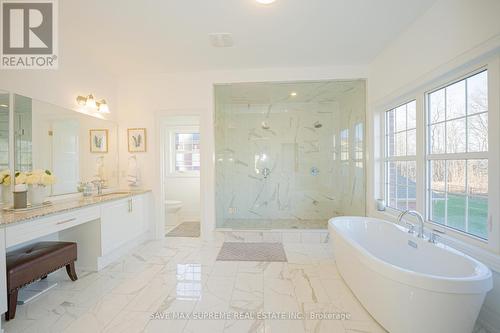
pixel 38 181
pixel 20 196
pixel 20 190
pixel 6 194
pixel 37 194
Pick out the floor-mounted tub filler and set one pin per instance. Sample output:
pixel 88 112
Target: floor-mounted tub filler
pixel 406 283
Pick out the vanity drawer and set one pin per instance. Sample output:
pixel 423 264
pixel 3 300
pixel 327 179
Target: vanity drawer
pixel 19 233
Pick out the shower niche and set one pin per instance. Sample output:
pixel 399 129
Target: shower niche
pixel 289 155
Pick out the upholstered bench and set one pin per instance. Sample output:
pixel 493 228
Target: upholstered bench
pixel 34 262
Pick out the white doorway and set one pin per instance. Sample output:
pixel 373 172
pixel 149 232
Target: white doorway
pixel 180 171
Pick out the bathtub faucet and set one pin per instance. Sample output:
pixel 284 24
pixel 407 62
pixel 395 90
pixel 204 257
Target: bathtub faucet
pixel 420 220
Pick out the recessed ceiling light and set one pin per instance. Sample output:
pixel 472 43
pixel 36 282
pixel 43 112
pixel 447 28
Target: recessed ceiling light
pixel 266 2
pixel 293 94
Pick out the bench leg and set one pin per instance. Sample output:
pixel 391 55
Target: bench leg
pixel 70 269
pixel 11 306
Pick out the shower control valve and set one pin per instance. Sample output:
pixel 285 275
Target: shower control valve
pixel 266 172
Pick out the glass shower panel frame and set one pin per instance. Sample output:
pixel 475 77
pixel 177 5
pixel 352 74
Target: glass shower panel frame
pixel 286 161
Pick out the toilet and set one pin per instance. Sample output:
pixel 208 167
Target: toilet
pixel 172 208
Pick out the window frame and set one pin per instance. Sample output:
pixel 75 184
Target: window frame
pixel 446 156
pixel 398 158
pixel 428 84
pixel 172 132
pixel 358 144
pixel 345 145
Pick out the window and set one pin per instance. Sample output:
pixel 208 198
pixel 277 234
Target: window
pixel 335 148
pixel 358 145
pixel 457 155
pixel 344 144
pixel 400 157
pixel 454 171
pixel 185 152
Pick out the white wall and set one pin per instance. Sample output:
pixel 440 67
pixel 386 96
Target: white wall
pixel 62 86
pixel 447 31
pixel 450 35
pixel 143 101
pixel 187 190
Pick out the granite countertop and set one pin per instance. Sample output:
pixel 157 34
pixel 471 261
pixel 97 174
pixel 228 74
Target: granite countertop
pixel 64 205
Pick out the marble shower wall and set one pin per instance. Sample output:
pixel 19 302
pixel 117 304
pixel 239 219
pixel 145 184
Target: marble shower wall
pixel 290 160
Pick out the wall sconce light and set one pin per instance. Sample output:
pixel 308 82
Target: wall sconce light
pixel 90 102
pixel 102 106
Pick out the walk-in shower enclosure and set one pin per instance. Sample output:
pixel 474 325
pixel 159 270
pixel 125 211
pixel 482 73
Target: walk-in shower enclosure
pixel 289 155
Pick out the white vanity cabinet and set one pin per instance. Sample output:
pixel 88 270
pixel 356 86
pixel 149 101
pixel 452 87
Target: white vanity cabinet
pixel 103 230
pixel 121 221
pixel 139 215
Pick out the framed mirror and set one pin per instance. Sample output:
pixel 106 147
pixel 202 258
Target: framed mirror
pixel 50 137
pixel 4 130
pixel 23 129
pixel 5 166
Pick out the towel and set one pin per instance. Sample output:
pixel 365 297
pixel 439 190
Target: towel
pixel 99 168
pixel 133 172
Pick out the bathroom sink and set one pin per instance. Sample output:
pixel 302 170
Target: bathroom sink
pixel 113 193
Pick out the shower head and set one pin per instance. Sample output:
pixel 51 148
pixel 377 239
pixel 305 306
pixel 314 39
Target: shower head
pixel 317 124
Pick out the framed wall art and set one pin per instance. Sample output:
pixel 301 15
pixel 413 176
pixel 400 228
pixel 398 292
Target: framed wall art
pixel 98 140
pixel 136 140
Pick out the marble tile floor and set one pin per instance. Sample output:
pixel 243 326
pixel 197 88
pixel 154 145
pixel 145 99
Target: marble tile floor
pixel 181 275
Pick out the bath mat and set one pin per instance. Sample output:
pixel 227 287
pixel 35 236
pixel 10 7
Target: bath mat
pixel 185 229
pixel 252 252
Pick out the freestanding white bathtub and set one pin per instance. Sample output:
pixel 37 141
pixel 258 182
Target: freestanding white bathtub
pixel 408 284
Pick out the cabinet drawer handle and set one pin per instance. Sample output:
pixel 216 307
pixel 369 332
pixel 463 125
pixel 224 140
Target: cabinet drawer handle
pixel 66 221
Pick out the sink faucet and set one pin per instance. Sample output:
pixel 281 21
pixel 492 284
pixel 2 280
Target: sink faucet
pixel 99 184
pixel 420 220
